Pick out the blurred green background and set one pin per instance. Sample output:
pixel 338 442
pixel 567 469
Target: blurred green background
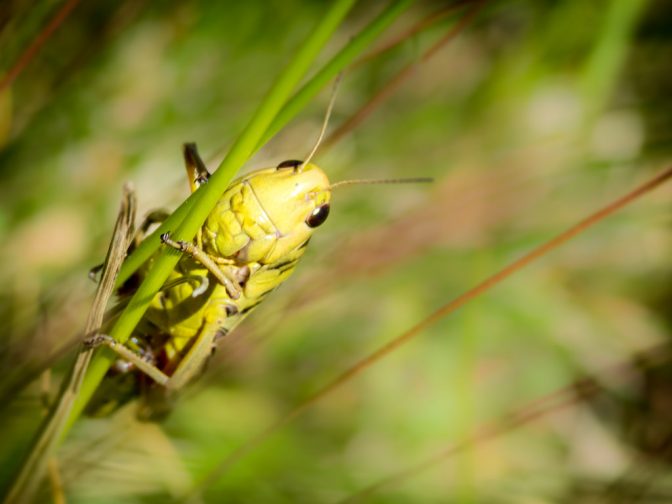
pixel 534 116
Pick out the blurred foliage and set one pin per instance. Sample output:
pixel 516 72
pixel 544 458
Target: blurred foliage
pixel 537 114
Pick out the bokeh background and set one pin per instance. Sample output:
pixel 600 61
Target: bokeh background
pixel 535 115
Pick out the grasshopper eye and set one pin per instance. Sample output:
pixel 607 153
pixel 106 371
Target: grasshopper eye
pixel 290 163
pixel 318 216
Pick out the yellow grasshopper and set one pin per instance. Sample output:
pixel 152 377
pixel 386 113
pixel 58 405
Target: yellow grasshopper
pixel 249 244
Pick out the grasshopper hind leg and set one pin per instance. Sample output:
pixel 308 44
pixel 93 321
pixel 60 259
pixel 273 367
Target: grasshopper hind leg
pixel 126 380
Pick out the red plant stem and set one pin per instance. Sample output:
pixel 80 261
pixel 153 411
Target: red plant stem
pixel 30 52
pixel 452 306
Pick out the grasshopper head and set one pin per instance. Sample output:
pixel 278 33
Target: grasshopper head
pixel 295 198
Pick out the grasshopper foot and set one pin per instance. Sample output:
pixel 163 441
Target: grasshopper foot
pixel 97 340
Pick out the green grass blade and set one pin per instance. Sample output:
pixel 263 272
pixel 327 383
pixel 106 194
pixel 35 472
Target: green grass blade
pixel 300 99
pixel 149 245
pixel 605 61
pixel 46 439
pixel 207 197
pixel 341 60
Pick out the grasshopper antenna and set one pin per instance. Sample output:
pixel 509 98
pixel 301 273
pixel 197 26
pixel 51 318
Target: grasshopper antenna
pixel 325 123
pixel 416 180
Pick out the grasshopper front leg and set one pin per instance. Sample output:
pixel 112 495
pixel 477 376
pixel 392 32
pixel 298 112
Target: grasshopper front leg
pixel 225 275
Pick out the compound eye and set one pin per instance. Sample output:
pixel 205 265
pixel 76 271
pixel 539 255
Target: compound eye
pixel 318 216
pixel 290 163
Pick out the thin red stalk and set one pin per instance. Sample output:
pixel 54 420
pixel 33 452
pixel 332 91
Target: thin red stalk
pixel 30 52
pixel 580 390
pixel 442 312
pixel 395 82
pixel 425 22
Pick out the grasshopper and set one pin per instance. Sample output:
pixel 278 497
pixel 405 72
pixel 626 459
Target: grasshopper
pixel 249 245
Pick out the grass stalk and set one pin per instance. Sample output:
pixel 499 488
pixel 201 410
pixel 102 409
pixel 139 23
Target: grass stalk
pixel 206 198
